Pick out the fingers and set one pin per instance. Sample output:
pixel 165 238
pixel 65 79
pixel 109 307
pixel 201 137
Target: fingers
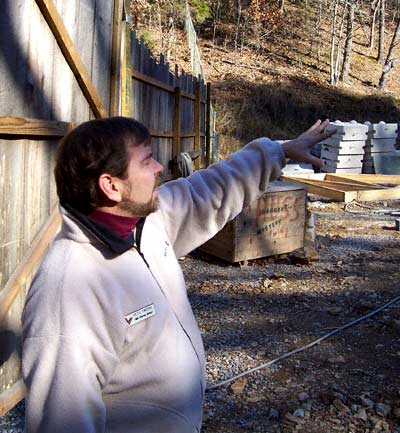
pixel 315 126
pixel 328 134
pixel 324 124
pixel 318 128
pixel 315 161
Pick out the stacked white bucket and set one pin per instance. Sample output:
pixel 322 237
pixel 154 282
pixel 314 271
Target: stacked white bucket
pixel 382 138
pixel 352 147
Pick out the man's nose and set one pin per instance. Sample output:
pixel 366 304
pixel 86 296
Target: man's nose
pixel 159 168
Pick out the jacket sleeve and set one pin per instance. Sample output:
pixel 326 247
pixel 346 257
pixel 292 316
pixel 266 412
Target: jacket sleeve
pixel 195 208
pixel 64 386
pixel 69 351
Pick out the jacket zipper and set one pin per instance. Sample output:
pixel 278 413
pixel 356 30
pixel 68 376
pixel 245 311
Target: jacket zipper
pixel 137 234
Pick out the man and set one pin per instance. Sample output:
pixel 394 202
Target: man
pixel 110 343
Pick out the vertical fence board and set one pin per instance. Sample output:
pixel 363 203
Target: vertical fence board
pixel 63 98
pixel 80 33
pixel 102 45
pixel 13 206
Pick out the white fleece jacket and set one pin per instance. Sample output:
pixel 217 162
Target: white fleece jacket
pixel 110 344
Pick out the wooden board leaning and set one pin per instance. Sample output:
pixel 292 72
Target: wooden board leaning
pixel 349 187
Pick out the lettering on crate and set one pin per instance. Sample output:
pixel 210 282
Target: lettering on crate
pixel 274 229
pixel 270 208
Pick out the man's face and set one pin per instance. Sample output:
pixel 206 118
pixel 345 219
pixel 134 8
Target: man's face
pixel 139 194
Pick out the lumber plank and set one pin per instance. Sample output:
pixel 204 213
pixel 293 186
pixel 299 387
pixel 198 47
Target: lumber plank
pixel 31 260
pixel 388 179
pixel 197 121
pixel 208 127
pixel 349 186
pixel 126 72
pixel 10 397
pixel 71 55
pixel 115 80
pixel 318 189
pixel 176 146
pixel 157 83
pixel 348 189
pixel 25 127
pixel 380 194
pixel 78 18
pixel 341 186
pixel 346 180
pixel 102 49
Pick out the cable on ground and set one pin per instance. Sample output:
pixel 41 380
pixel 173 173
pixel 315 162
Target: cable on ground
pixel 307 346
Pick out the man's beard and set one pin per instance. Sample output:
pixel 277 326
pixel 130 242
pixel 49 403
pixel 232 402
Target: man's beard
pixel 138 209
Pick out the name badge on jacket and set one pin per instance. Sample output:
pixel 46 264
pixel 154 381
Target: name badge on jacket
pixel 139 315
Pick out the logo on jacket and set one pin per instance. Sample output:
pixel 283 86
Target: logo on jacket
pixel 139 315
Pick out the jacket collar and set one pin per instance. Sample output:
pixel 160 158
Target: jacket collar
pixel 105 235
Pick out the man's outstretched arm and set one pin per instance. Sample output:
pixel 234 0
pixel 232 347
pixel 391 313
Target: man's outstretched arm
pixel 195 208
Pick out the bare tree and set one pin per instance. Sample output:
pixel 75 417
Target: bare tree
pixel 239 16
pixel 349 42
pixel 316 38
pixel 215 11
pixel 381 48
pixel 374 12
pixel 333 42
pixel 336 42
pixel 390 60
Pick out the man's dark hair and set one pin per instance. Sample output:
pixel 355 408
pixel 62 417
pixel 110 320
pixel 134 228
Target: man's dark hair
pixel 93 148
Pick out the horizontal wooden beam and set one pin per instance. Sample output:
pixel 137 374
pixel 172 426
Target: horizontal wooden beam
pixel 28 265
pixel 160 85
pixel 161 134
pixel 25 127
pixel 10 397
pixel 56 24
pixel 170 134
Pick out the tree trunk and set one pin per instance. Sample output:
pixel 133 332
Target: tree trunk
pixel 390 61
pixel 349 43
pixel 339 46
pixel 381 48
pixel 333 43
pixel 282 6
pixel 318 32
pixel 239 15
pixel 215 7
pixel 336 48
pixel 374 11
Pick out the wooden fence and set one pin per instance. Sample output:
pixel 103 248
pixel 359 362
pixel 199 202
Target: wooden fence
pixel 63 62
pixel 175 106
pixel 51 68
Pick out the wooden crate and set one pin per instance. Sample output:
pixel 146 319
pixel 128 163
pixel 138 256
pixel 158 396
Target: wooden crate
pixel 273 224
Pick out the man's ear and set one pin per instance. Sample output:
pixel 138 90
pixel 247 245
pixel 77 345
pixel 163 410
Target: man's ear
pixel 111 187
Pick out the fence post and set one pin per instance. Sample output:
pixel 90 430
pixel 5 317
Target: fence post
pixel 176 146
pixel 115 81
pixel 208 125
pixel 197 120
pixel 126 72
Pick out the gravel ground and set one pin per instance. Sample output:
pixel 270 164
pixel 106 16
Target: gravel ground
pixel 251 314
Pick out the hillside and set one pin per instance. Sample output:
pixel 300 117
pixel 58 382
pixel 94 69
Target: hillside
pixel 277 86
